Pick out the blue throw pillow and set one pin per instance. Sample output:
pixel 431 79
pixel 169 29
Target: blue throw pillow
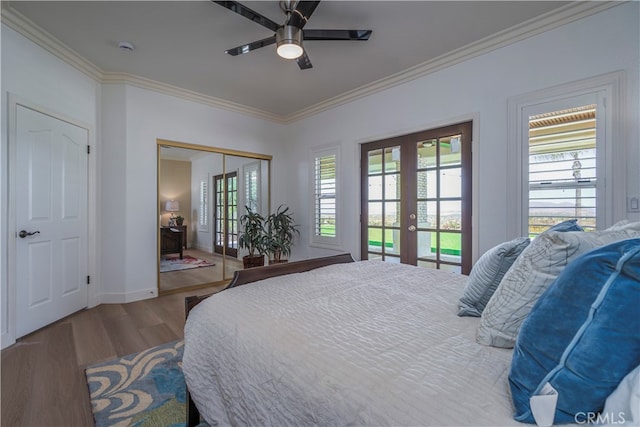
pixel 582 336
pixel 486 275
pixel 568 225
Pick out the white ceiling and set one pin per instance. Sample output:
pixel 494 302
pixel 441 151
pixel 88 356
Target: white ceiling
pixel 182 43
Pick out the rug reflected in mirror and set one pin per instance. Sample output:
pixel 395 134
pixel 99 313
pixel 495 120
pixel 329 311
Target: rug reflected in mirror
pixel 142 389
pixel 174 263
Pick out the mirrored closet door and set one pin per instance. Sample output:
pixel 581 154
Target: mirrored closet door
pixel 202 192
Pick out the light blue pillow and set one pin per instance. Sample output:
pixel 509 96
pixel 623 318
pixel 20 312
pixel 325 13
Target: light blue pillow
pixel 568 225
pixel 486 275
pixel 532 273
pixel 582 336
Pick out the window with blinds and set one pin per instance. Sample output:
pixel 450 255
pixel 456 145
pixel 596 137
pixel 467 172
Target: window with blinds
pixel 562 168
pixel 203 221
pixel 252 186
pixel 325 208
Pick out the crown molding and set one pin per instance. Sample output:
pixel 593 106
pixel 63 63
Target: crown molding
pixel 27 28
pixel 189 95
pixel 556 18
pixel 23 25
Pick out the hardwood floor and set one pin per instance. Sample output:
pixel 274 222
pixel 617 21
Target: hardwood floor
pixel 174 280
pixel 43 381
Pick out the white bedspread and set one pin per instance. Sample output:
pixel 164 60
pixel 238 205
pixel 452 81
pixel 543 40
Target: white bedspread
pixel 364 343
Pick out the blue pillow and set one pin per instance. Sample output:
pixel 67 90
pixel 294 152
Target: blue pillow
pixel 568 225
pixel 486 275
pixel 582 336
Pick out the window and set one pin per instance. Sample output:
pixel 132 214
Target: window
pixel 203 221
pixel 252 186
pixel 325 201
pixel 565 157
pixel 562 168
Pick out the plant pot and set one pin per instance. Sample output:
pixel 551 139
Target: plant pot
pixel 249 261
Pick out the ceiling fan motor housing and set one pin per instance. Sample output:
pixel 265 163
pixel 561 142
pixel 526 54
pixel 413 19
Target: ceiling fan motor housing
pixel 289 41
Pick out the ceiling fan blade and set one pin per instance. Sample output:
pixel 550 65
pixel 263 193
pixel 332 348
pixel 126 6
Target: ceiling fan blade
pixel 336 34
pixel 303 12
pixel 246 48
pixel 236 7
pixel 303 61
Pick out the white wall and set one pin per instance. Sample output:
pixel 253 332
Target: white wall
pixel 149 116
pixel 479 87
pixel 113 192
pixel 41 80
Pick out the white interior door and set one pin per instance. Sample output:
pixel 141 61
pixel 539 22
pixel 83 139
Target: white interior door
pixel 51 219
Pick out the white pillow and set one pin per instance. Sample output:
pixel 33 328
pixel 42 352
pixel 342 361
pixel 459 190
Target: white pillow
pixel 532 273
pixel 622 407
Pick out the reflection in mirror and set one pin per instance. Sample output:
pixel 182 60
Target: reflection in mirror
pixel 201 193
pixel 186 249
pixel 245 185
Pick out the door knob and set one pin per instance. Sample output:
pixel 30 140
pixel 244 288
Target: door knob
pixel 412 228
pixel 25 233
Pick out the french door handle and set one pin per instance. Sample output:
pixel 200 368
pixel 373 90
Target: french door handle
pixel 412 228
pixel 25 233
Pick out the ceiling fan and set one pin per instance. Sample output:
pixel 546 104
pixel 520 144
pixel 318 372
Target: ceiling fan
pixel 289 36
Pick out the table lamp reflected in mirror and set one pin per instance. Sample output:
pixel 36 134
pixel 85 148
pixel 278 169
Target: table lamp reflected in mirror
pixel 172 206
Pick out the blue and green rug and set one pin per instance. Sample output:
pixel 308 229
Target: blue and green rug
pixel 142 389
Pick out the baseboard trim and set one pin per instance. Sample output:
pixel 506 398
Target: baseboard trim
pixel 125 297
pixel 6 340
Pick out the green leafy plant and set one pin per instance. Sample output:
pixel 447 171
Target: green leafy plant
pixel 280 232
pixel 179 219
pixel 252 236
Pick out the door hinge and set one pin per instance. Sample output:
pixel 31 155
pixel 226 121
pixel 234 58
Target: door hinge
pixel 88 149
pixel 88 280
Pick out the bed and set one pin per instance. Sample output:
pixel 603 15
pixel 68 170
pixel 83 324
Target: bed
pixel 354 343
pixel 542 329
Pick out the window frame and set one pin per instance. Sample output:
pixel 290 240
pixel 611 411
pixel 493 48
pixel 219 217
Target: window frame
pixel 608 90
pixel 317 240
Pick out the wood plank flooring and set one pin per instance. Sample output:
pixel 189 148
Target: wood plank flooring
pixel 172 281
pixel 43 381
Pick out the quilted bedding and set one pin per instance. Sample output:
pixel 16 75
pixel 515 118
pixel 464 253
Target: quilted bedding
pixel 363 343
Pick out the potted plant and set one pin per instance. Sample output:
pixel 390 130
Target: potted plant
pixel 252 238
pixel 179 220
pixel 280 232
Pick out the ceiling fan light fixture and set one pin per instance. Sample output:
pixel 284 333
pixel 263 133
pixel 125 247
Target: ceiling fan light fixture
pixel 289 42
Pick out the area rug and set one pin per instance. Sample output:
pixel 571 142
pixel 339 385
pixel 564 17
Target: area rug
pixel 175 263
pixel 142 389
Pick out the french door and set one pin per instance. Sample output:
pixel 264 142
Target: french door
pixel 226 214
pixel 416 199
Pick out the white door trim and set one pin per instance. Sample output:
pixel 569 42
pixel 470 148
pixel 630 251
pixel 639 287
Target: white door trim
pixel 8 336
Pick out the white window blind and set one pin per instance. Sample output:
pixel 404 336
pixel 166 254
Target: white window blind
pixel 325 208
pixel 252 186
pixel 562 168
pixel 203 220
